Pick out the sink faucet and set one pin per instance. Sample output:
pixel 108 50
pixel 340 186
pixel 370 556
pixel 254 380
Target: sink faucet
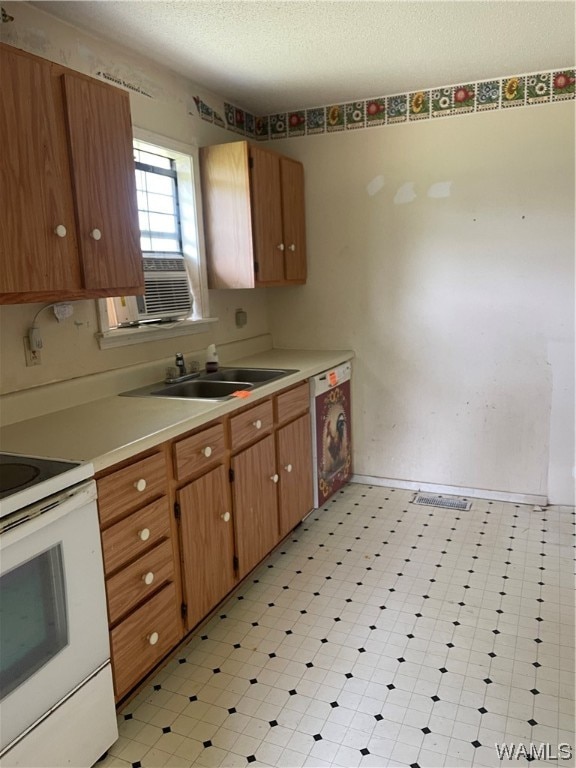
pixel 180 364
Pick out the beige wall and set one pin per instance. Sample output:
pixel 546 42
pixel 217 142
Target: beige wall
pixel 70 348
pixel 460 307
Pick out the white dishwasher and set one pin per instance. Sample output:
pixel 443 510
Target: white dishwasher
pixel 331 431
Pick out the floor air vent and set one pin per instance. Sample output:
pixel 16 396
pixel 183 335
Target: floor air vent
pixel 428 500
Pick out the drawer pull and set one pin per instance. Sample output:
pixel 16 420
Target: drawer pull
pixel 225 516
pixel 153 638
pixel 292 247
pixel 148 578
pixel 207 451
pixel 257 424
pixel 144 534
pixel 274 478
pixel 140 485
pixel 288 467
pixel 280 246
pixel 60 230
pixel 95 234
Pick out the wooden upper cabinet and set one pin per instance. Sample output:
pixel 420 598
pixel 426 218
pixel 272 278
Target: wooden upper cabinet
pixel 292 178
pixel 266 192
pixel 253 202
pixel 100 135
pixel 66 170
pixel 224 170
pixel 34 181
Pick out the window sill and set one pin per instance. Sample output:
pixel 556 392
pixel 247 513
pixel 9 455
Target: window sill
pixel 123 337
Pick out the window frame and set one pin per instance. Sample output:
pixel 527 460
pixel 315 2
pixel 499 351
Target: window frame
pixel 186 157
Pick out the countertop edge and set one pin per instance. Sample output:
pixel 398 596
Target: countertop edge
pixel 47 435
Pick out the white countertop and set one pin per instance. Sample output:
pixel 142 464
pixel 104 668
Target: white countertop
pixel 112 429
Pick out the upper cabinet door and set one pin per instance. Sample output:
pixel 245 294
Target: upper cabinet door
pixel 226 205
pixel 37 235
pixel 253 201
pixel 269 246
pixel 100 137
pixel 292 178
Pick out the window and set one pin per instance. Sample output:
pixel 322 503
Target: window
pixel 157 190
pixel 176 298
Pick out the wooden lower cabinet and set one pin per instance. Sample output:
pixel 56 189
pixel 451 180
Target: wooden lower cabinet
pixel 131 487
pixel 207 538
pixel 255 503
pixel 142 639
pixel 182 526
pixel 296 497
pixel 137 533
pixel 135 583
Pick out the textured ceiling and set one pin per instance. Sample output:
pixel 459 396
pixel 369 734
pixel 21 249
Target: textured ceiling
pixel 271 55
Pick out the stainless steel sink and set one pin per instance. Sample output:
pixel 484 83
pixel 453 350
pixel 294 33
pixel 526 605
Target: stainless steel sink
pixel 200 389
pixel 251 375
pixel 219 385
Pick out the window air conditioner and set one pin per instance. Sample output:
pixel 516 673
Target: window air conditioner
pixel 167 295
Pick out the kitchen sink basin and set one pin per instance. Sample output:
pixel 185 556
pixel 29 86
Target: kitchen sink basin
pixel 200 389
pixel 251 375
pixel 219 385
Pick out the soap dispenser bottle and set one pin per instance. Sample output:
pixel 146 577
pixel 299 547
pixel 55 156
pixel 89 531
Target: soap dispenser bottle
pixel 211 359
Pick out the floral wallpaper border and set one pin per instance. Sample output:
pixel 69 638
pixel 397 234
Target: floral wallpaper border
pixel 446 101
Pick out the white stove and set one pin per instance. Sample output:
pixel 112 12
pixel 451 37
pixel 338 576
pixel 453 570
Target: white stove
pixel 56 693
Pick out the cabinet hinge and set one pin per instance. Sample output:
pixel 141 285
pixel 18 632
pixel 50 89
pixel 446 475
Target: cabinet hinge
pixel 231 475
pixel 177 510
pixel 184 610
pixel 256 267
pixel 235 563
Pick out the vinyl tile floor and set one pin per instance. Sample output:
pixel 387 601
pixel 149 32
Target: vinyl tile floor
pixel 380 633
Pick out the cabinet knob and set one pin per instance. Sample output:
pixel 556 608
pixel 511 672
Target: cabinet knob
pixel 144 534
pixel 292 247
pixel 60 230
pixel 280 246
pixel 153 638
pixel 140 485
pixel 225 516
pixel 257 424
pixel 207 451
pixel 96 234
pixel 288 467
pixel 275 478
pixel 148 578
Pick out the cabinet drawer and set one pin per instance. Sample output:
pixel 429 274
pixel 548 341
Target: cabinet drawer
pixel 198 451
pixel 131 537
pixel 133 653
pixel 293 403
pixel 135 582
pixel 131 487
pixel 250 425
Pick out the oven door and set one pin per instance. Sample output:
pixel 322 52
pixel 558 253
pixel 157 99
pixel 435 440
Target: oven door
pixel 53 623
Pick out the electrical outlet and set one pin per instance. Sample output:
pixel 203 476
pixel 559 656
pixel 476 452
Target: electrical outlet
pixel 33 356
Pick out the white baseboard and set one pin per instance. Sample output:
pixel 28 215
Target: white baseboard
pixel 453 490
